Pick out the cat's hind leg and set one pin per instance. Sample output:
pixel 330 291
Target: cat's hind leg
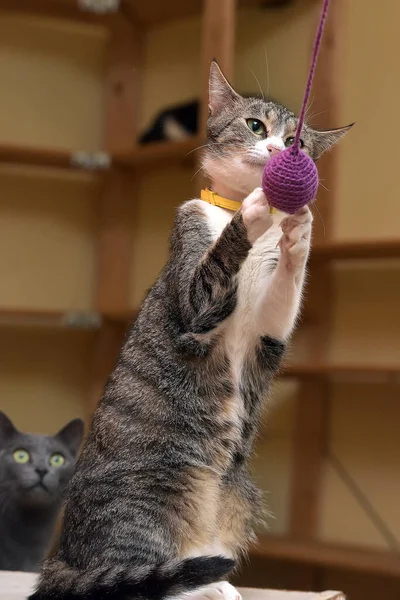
pixel 221 590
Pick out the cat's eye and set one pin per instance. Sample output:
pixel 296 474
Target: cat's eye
pixel 290 141
pixel 57 460
pixel 257 127
pixel 21 456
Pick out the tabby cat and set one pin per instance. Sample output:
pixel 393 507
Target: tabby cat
pixel 34 471
pixel 161 502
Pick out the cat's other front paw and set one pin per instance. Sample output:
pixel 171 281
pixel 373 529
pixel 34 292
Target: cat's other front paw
pixel 256 215
pixel 296 239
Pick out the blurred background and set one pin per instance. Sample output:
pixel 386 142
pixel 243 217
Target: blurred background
pixel 85 211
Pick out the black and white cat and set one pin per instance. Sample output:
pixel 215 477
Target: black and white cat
pixel 34 472
pixel 173 123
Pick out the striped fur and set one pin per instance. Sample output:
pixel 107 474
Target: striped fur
pixel 161 501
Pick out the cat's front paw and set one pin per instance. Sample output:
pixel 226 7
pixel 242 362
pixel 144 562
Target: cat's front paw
pixel 296 239
pixel 256 215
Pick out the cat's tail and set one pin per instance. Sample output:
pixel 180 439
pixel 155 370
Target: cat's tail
pixel 58 581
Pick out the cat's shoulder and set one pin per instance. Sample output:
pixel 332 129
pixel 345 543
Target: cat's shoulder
pixel 213 217
pixel 193 207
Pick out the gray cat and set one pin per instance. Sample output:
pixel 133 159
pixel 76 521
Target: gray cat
pixel 161 502
pixel 34 471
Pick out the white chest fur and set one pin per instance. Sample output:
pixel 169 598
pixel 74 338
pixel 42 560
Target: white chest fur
pixel 242 329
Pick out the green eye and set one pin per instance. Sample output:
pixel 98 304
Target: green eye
pixel 21 456
pixel 57 460
pixel 256 127
pixel 290 141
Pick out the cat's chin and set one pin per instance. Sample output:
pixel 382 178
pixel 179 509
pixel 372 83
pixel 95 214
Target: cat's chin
pixel 36 496
pixel 236 174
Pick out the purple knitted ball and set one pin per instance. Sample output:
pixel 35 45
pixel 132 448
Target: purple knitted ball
pixel 290 180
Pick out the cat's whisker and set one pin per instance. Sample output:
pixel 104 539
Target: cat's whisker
pixel 314 205
pixel 203 167
pixel 322 185
pixel 309 106
pixel 313 115
pixel 266 72
pixel 258 83
pixel 197 172
pixel 194 149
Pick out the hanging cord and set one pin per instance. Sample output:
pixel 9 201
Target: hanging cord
pixel 317 45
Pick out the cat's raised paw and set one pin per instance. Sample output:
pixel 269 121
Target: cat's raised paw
pixel 296 238
pixel 256 214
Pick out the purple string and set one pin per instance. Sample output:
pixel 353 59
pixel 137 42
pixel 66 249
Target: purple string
pixel 317 44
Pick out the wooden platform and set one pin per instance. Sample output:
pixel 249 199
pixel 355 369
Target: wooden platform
pixel 17 586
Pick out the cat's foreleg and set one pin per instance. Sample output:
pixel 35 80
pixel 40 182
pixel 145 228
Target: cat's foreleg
pixel 212 292
pixel 280 301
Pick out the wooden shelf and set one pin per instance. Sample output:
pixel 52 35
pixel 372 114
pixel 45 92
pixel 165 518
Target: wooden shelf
pixel 351 558
pixel 148 155
pixel 39 157
pixel 359 250
pixel 161 154
pixel 157 11
pixel 92 320
pixel 86 320
pixel 146 13
pixel 51 8
pixel 184 153
pixel 326 371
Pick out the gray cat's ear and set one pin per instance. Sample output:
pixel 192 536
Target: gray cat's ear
pixel 7 429
pixel 221 93
pixel 72 435
pixel 325 139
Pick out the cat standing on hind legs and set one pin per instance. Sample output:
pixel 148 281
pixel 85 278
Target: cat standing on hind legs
pixel 161 503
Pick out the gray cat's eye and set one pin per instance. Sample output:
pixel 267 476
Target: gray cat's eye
pixel 21 456
pixel 57 460
pixel 257 127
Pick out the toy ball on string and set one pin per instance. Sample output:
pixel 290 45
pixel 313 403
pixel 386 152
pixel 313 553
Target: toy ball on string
pixel 290 178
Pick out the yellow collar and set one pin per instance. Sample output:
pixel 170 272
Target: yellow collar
pixel 217 200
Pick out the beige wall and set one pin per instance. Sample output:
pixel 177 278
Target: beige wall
pixel 43 377
pixel 47 231
pixel 368 200
pixel 51 74
pixel 51 95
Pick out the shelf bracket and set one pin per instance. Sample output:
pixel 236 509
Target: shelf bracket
pixel 82 320
pixel 95 161
pixel 99 7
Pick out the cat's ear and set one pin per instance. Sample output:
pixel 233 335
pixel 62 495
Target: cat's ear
pixel 220 92
pixel 325 139
pixel 72 435
pixel 7 429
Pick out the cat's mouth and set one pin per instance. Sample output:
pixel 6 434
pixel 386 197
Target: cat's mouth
pixel 39 485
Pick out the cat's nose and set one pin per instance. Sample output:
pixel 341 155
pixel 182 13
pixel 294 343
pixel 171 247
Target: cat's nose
pixel 41 472
pixel 273 150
